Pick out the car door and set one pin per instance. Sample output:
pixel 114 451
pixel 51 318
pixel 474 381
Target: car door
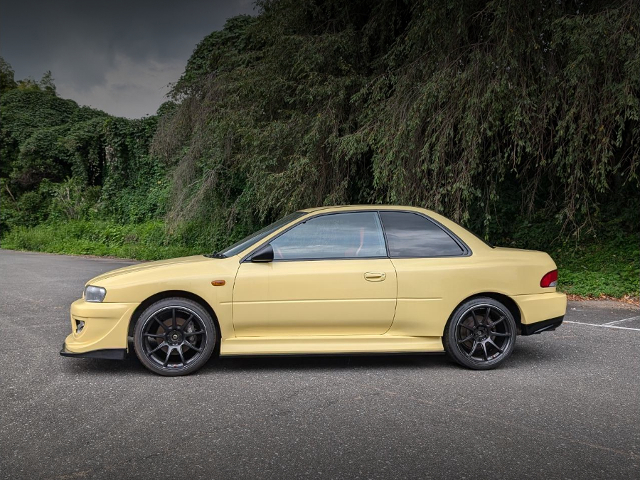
pixel 433 271
pixel 330 276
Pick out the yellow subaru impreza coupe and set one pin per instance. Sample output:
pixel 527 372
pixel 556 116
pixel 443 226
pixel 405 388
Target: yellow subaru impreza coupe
pixel 330 280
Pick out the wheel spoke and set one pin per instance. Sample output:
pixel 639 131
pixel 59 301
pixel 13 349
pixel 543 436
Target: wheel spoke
pixel 494 345
pixel 154 335
pixel 475 319
pixel 471 329
pixel 159 322
pixel 184 325
pixel 487 319
pixel 498 334
pixel 199 332
pixel 173 318
pixel 181 355
pixel 163 344
pixel 466 339
pixel 500 320
pixel 190 345
pixel 473 349
pixel 484 351
pixel 166 360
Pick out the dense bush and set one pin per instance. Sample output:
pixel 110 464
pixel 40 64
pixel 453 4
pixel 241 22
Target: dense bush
pixel 496 114
pixel 62 161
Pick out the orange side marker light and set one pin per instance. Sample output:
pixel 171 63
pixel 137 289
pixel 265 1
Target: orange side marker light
pixel 218 283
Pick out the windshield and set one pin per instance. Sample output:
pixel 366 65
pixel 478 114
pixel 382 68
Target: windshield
pixel 257 236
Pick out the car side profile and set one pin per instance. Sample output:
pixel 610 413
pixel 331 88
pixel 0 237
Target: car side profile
pixel 329 280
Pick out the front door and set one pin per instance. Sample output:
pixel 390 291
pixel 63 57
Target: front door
pixel 330 276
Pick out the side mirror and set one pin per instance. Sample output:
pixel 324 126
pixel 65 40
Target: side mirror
pixel 264 255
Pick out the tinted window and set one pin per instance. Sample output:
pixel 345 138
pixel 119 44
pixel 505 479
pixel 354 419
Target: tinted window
pixel 343 235
pixel 412 235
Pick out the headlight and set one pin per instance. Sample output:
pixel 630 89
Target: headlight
pixel 94 294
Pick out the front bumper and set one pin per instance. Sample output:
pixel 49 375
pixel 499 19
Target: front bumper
pixel 107 354
pixel 105 332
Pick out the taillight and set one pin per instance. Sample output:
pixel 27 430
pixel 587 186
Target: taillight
pixel 550 279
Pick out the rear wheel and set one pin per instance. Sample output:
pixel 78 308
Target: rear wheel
pixel 481 334
pixel 175 336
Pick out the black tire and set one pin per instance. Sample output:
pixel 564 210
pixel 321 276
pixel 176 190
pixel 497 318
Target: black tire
pixel 175 336
pixel 480 334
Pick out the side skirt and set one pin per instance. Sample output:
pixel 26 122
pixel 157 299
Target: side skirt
pixel 329 345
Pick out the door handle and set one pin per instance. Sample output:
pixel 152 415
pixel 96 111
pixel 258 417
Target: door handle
pixel 375 276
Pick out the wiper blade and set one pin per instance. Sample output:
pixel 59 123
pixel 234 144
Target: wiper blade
pixel 216 255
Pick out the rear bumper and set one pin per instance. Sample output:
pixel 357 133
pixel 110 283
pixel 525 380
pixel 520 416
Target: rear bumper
pixel 539 327
pixel 541 307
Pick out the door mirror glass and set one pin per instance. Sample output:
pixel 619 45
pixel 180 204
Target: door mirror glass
pixel 263 255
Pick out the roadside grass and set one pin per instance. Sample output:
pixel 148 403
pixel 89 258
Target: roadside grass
pixel 144 241
pixel 608 267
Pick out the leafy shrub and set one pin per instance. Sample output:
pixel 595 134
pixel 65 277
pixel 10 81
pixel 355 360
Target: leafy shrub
pixel 72 200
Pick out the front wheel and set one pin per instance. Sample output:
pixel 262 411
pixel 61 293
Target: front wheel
pixel 481 334
pixel 175 336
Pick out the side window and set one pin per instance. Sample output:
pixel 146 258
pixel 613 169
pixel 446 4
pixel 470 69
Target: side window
pixel 342 235
pixel 412 235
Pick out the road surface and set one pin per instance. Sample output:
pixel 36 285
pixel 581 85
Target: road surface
pixel 566 404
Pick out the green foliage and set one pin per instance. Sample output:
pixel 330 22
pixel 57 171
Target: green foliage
pixel 135 185
pixel 144 241
pixel 610 267
pixel 7 81
pixel 71 199
pixel 480 110
pixel 60 160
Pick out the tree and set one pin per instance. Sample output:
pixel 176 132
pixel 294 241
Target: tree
pixel 7 81
pixel 46 83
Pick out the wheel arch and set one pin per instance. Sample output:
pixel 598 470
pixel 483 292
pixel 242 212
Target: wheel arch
pixel 168 294
pixel 500 297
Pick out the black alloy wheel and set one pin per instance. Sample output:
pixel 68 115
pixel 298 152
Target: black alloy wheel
pixel 174 336
pixel 481 334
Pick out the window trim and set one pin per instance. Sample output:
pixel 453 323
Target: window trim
pixel 466 251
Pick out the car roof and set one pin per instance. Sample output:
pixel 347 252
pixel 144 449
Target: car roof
pixel 361 207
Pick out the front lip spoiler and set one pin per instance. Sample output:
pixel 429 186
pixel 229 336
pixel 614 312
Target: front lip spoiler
pixel 539 327
pixel 106 354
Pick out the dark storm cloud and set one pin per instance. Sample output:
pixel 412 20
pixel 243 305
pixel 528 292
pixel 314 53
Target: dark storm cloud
pixel 117 55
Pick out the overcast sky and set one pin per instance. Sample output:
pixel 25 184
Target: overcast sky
pixel 116 55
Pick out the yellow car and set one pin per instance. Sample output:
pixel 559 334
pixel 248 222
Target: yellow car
pixel 329 280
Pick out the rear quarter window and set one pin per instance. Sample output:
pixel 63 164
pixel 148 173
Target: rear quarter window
pixel 412 235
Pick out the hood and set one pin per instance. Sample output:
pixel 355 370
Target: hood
pixel 146 266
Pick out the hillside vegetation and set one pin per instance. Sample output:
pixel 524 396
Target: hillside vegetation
pixel 519 120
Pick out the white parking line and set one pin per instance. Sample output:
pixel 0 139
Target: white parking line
pixel 623 320
pixel 603 326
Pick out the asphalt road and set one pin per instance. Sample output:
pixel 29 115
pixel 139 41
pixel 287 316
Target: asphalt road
pixel 566 405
